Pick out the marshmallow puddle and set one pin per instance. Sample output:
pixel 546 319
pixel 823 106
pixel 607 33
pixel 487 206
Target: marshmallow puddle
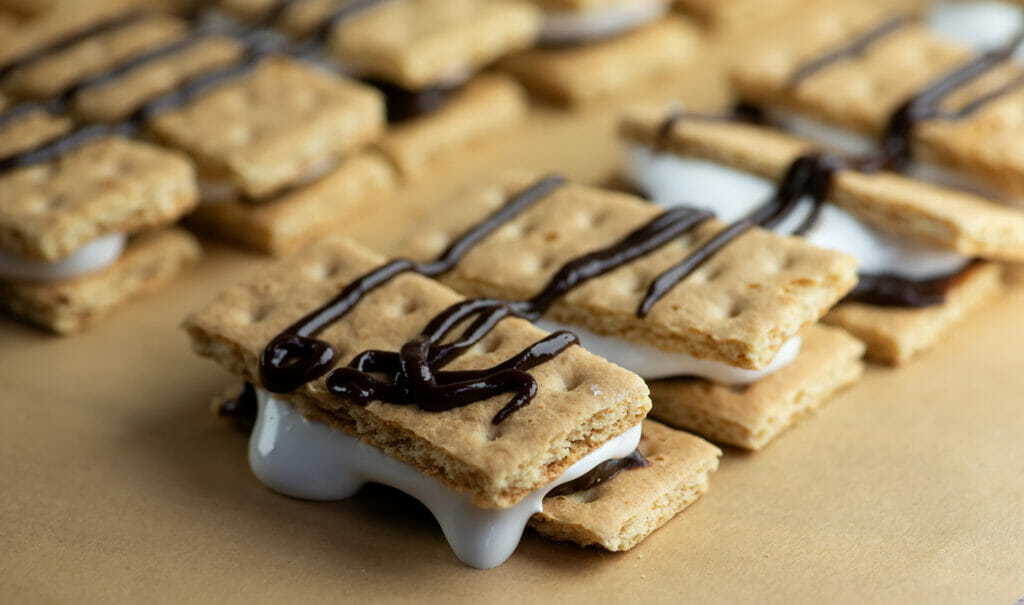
pixel 652 363
pixel 578 27
pixel 310 460
pixel 97 254
pixel 732 194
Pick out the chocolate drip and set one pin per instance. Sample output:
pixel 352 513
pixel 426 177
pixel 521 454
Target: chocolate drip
pixel 886 290
pixel 600 473
pixel 854 48
pixel 242 409
pixel 102 27
pixel 405 104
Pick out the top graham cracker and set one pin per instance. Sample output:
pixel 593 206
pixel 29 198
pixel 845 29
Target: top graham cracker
pixel 739 307
pixel 110 185
pixel 889 202
pixel 271 127
pixel 860 93
pixel 497 465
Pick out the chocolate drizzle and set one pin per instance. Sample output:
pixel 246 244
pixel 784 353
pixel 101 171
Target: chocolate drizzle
pixel 402 104
pixel 856 47
pixel 886 290
pixel 600 473
pixel 255 39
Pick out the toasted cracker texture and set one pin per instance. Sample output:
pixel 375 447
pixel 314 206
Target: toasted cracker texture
pixel 106 186
pixel 149 263
pixel 581 74
pixel 621 512
pixel 740 307
pixel 895 336
pixel 752 416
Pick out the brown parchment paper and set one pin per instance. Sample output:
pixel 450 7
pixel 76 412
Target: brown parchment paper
pixel 117 485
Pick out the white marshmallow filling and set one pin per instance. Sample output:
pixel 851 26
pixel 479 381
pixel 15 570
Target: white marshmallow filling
pixel 93 256
pixel 310 460
pixel 652 363
pixel 732 194
pixel 982 25
pixel 565 28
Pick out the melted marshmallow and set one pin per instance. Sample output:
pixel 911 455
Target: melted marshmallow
pixel 576 27
pixel 310 460
pixel 97 254
pixel 981 25
pixel 732 194
pixel 652 363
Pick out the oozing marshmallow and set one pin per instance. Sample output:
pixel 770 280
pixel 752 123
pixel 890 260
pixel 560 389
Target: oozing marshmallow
pixel 310 460
pixel 652 363
pixel 97 254
pixel 981 25
pixel 732 194
pixel 604 22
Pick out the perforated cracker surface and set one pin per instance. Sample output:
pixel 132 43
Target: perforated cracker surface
pixel 750 417
pixel 495 464
pixel 270 127
pixel 106 186
pixel 930 214
pixel 619 513
pixel 739 307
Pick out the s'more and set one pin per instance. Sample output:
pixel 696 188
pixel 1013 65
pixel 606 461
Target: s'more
pixel 672 294
pixel 594 49
pixel 928 255
pixel 425 57
pixel 940 92
pixel 495 416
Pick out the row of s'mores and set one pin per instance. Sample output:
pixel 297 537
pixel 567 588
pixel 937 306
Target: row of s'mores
pixel 279 149
pixel 369 370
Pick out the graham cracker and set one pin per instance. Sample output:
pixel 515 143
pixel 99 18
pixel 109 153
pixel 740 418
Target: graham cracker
pixel 739 307
pixel 495 465
pixel 750 417
pixel 887 201
pixel 30 131
pixel 149 262
pixel 895 336
pixel 50 75
pixel 487 105
pixel 45 27
pixel 268 129
pixel 581 74
pixel 116 100
pixel 621 512
pixel 416 43
pixel 280 225
pixel 859 94
pixel 109 185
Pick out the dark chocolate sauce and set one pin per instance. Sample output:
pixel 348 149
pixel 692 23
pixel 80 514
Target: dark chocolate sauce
pixel 403 105
pixel 241 409
pixel 600 473
pixel 886 290
pixel 854 48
